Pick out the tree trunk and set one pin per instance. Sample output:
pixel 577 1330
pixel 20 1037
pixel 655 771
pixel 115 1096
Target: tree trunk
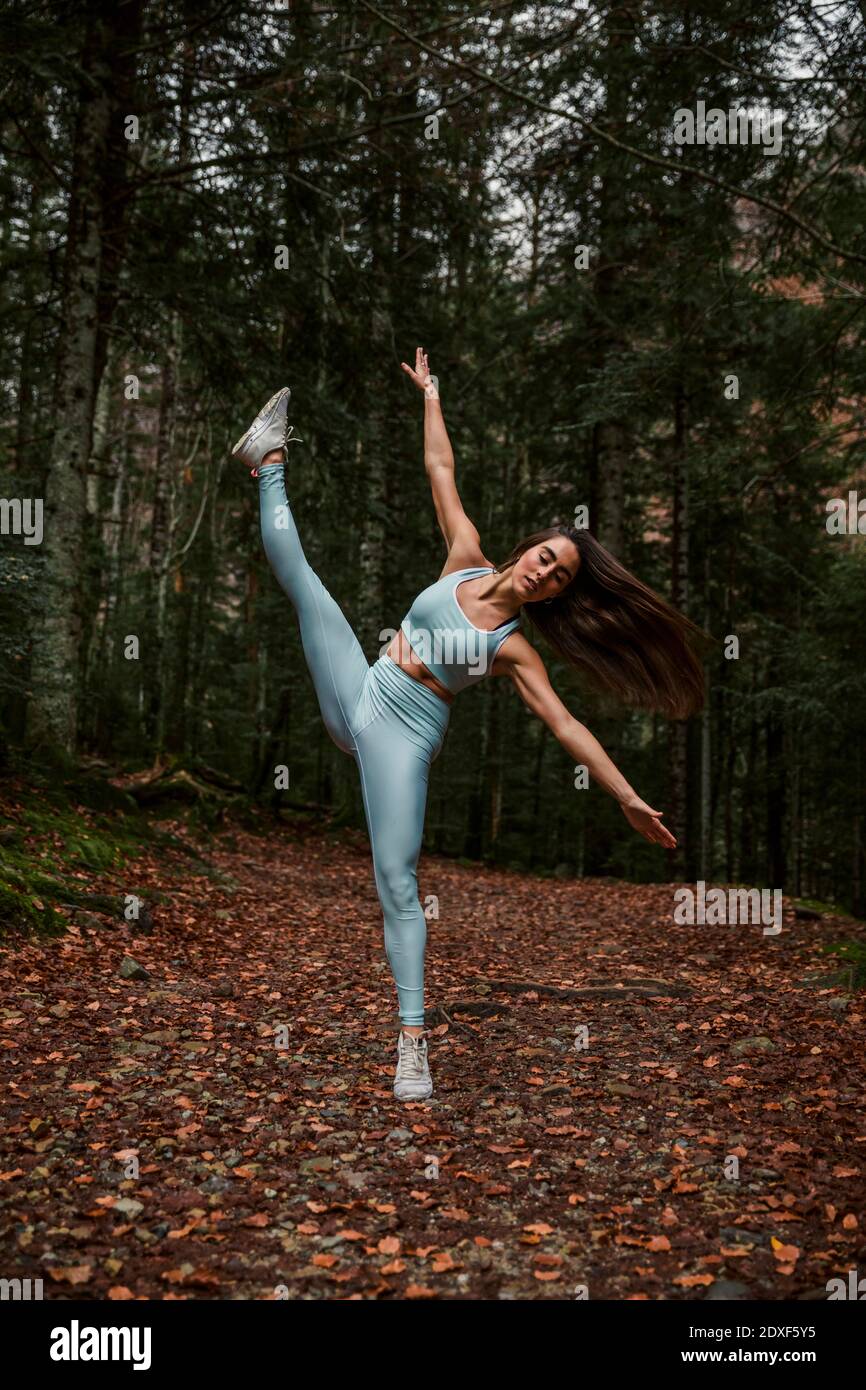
pixel 53 709
pixel 680 597
pixel 610 437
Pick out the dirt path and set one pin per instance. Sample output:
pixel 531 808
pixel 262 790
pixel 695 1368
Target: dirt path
pixel 539 1166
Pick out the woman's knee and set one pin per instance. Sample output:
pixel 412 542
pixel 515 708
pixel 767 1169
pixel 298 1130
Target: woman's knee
pixel 398 886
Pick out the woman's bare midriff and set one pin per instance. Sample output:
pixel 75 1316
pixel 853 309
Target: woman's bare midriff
pixel 403 656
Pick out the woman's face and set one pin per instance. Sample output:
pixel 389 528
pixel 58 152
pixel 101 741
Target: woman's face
pixel 545 570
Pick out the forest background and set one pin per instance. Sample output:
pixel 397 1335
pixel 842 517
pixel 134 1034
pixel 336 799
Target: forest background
pixel 203 202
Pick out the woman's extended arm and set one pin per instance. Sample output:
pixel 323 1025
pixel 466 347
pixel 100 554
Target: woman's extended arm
pixel 439 463
pixel 526 669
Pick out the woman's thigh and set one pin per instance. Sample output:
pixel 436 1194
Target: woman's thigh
pixel 394 779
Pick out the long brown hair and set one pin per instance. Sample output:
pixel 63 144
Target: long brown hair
pixel 626 639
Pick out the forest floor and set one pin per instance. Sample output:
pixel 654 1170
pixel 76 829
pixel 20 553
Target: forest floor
pixel 221 1124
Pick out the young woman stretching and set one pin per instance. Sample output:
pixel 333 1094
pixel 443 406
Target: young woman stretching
pixel 392 716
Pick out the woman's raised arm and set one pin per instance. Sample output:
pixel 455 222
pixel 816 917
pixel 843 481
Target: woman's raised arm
pixel 439 464
pixel 519 660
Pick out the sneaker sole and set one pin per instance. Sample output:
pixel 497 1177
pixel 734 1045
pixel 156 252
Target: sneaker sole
pixel 261 422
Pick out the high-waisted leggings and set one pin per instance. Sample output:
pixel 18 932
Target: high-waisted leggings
pixel 393 726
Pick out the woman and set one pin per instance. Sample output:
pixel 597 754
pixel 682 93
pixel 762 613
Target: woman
pixel 392 716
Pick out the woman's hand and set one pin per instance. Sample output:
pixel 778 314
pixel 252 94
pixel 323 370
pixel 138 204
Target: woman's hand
pixel 647 822
pixel 421 375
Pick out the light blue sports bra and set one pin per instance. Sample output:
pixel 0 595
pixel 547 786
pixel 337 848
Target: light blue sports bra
pixel 452 648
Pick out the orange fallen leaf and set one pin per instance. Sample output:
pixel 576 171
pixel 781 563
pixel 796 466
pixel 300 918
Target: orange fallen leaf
pixel 784 1252
pixel 71 1274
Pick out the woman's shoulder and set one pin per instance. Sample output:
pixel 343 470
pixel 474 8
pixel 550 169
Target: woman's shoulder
pixel 465 555
pixel 510 652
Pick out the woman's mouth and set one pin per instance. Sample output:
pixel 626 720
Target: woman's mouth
pixel 532 584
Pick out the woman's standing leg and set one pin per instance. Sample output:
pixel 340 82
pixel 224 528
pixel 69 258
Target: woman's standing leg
pixel 394 777
pixel 333 653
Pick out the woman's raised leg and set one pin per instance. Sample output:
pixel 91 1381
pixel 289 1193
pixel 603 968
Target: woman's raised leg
pixel 333 653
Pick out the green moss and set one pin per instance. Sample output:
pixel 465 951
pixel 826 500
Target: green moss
pixel 25 912
pixel 816 905
pixel 854 954
pixel 92 852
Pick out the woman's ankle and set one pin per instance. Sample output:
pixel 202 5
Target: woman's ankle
pixel 275 456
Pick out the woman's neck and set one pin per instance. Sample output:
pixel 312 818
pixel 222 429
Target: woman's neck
pixel 499 590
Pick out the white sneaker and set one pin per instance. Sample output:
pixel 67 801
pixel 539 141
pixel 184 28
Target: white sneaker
pixel 269 431
pixel 412 1079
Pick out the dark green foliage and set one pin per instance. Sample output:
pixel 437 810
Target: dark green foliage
pixel 305 127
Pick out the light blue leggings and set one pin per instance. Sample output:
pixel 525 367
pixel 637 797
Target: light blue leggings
pixel 393 726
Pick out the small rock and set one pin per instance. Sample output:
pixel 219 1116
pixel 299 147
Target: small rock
pixel 88 921
pixel 756 1044
pixel 215 1184
pixel 131 970
pixel 838 1004
pixel 724 1289
pixel 316 1165
pixel 128 1206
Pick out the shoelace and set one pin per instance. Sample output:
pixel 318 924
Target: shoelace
pixel 412 1063
pixel 287 439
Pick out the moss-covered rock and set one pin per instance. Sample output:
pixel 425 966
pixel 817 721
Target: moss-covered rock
pixel 25 912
